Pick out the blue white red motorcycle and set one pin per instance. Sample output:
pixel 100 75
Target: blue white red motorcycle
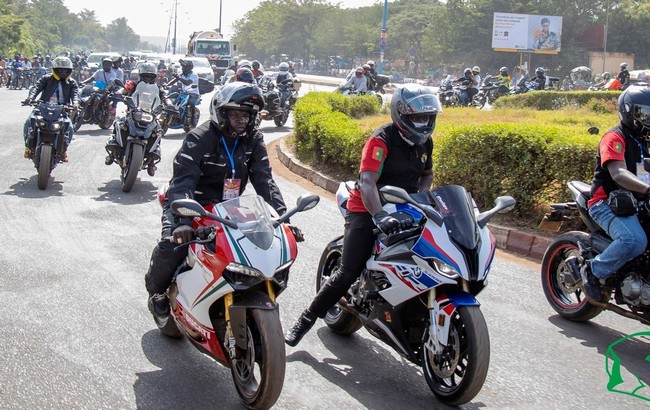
pixel 418 291
pixel 178 115
pixel 224 297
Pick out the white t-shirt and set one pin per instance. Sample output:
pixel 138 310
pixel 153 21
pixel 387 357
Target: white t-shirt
pixel 107 77
pixel 187 89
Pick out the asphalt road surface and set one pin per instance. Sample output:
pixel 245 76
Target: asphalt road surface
pixel 75 332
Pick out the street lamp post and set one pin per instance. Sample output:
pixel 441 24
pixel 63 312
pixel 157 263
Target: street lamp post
pixel 605 35
pixel 175 20
pixel 383 37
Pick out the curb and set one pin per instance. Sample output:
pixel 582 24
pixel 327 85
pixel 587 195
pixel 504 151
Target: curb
pixel 508 239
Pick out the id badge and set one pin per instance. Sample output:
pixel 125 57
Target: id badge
pixel 231 188
pixel 641 173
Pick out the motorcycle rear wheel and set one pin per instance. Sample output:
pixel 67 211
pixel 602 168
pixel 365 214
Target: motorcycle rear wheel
pixel 568 300
pixel 337 319
pixel 44 166
pixel 259 374
pixel 133 165
pixel 457 374
pixel 107 121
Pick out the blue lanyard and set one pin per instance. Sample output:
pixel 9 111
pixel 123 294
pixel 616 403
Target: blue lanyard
pixel 230 155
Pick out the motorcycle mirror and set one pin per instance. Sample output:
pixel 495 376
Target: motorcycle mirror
pixel 306 202
pixel 119 83
pixel 187 207
pixel 394 194
pixel 502 205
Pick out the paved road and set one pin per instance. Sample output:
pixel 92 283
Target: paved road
pixel 75 331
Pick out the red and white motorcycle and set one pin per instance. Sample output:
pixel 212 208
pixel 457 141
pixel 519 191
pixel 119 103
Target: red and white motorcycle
pixel 223 297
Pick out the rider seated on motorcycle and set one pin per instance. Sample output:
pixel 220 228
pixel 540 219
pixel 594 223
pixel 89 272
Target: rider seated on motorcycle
pixel 106 74
pixel 605 77
pixel 190 85
pixel 283 73
pixel 215 163
pixel 257 73
pixel 358 82
pixel 117 63
pixel 624 76
pixel 57 87
pixel 503 77
pixel 468 80
pixel 147 75
pixel 397 154
pixel 539 78
pixel 619 159
pixel 371 81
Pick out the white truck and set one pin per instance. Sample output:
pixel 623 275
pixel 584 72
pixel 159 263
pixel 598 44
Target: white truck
pixel 212 45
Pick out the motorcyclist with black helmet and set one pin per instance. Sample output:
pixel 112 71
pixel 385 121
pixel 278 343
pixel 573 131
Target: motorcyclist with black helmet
pixel 468 81
pixel 245 75
pixel 619 165
pixel 257 73
pixel 215 163
pixel 190 85
pixel 540 78
pixel 60 88
pixel 397 154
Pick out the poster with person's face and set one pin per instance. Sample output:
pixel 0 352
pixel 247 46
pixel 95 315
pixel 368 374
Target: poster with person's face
pixel 535 33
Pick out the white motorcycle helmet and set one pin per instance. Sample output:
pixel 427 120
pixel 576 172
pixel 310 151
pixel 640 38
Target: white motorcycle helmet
pixel 236 95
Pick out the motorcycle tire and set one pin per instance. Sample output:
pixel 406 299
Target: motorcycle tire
pixel 457 375
pixel 380 99
pixel 337 319
pixel 567 299
pixel 107 121
pixel 259 373
pixel 44 165
pixel 479 101
pixel 78 122
pixel 167 326
pixel 281 119
pixel 132 167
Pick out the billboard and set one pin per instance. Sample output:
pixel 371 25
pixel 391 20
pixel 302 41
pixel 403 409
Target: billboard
pixel 534 33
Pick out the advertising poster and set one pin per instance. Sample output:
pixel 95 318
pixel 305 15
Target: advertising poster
pixel 535 33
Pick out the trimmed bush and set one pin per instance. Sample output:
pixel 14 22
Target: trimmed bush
pixel 552 100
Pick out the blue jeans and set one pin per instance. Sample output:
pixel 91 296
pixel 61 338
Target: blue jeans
pixel 629 240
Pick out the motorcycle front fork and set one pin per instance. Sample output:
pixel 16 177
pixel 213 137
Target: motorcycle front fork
pixel 228 299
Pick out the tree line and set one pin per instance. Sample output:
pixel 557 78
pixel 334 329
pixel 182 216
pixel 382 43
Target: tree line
pixel 451 33
pixel 48 27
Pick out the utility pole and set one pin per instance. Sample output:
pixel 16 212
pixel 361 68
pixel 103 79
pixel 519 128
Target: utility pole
pixel 175 19
pixel 605 33
pixel 220 8
pixel 383 37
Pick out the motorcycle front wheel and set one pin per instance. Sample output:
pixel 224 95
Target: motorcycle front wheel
pixel 565 297
pixel 132 167
pixel 457 374
pixel 259 371
pixel 44 165
pixel 337 319
pixel 281 119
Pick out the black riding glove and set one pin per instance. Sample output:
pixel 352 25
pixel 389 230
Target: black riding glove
pixel 386 223
pixel 182 234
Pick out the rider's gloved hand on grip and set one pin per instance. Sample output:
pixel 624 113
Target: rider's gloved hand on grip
pixel 297 233
pixel 386 223
pixel 182 234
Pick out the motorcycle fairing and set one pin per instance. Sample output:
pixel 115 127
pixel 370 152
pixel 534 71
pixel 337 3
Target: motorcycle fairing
pixel 443 310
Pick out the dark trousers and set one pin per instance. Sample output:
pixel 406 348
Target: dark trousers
pixel 358 241
pixel 164 260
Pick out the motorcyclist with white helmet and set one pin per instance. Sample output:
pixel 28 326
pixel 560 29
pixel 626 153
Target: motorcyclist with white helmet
pixel 358 82
pixel 215 163
pixel 58 87
pixel 398 154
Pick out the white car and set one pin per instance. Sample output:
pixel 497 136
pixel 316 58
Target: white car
pixel 202 67
pixel 94 60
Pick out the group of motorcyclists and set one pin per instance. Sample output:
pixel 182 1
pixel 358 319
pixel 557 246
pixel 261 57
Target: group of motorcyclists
pixel 362 80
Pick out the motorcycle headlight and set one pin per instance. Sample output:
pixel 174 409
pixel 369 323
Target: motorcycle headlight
pixel 443 268
pixel 41 123
pixel 143 117
pixel 56 126
pixel 241 276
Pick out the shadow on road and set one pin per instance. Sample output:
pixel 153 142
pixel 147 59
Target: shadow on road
pixel 27 188
pixel 632 355
pixel 96 132
pixel 143 191
pixel 186 379
pixel 372 374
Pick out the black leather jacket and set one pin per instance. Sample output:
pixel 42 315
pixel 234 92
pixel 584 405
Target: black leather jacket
pixel 47 86
pixel 202 164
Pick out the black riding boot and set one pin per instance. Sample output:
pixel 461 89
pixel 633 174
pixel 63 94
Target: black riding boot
pixel 305 322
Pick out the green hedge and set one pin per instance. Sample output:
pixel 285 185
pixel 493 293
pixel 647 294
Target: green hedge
pixel 551 100
pixel 325 132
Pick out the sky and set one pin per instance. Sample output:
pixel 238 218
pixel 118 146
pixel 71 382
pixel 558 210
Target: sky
pixel 152 17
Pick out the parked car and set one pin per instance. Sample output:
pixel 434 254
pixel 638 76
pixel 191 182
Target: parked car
pixel 202 67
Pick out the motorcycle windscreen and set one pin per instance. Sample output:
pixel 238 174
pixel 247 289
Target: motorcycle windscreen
pixel 253 219
pixel 456 207
pixel 50 111
pixel 146 96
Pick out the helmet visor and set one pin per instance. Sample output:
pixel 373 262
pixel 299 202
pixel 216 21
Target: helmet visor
pixel 642 114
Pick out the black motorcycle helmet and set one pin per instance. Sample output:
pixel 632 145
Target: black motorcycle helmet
pixel 245 75
pixel 503 70
pixel 539 71
pixel 256 65
pixel 414 100
pixel 634 110
pixel 117 61
pixel 236 95
pixel 186 65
